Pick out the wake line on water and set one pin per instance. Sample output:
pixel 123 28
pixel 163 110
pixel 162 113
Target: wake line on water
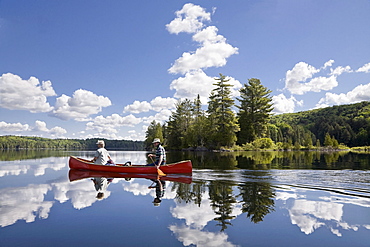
pixel 347 192
pixel 283 178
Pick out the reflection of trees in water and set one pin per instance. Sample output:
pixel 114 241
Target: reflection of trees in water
pixel 10 155
pixel 256 196
pixel 189 192
pixel 220 194
pixel 209 160
pixel 222 201
pixel 257 199
pixel 301 160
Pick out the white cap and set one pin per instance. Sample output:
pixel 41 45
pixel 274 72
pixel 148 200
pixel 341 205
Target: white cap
pixel 100 142
pixel 156 140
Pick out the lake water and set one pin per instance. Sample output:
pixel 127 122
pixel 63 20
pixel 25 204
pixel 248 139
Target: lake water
pixel 231 199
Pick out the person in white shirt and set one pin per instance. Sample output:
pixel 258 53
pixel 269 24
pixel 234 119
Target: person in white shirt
pixel 101 156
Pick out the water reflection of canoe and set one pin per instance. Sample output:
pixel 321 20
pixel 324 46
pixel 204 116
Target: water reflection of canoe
pixel 81 174
pixel 82 164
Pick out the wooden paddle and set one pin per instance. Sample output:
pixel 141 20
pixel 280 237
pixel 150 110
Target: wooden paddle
pixel 159 171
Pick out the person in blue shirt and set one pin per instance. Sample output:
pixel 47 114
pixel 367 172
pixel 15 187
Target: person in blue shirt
pixel 160 154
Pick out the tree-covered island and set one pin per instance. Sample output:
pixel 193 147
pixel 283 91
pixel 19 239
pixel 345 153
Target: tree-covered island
pixel 251 125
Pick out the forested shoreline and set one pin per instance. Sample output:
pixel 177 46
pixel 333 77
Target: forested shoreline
pixel 31 142
pixel 252 126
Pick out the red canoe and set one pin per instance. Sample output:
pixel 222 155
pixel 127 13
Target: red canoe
pixel 75 175
pixel 174 168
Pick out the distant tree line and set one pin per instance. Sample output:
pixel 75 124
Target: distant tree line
pixel 253 126
pixel 29 142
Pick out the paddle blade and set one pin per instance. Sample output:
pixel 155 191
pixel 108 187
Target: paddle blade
pixel 160 173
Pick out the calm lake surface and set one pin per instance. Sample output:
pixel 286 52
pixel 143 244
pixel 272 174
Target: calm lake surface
pixel 231 199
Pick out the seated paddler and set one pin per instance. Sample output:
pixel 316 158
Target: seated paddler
pixel 160 154
pixel 101 156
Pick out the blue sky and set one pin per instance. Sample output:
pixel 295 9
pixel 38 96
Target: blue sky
pixel 86 69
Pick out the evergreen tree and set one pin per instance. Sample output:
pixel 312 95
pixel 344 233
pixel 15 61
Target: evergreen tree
pixel 255 109
pixel 178 125
pixel 328 142
pixel 154 131
pixel 197 133
pixel 222 122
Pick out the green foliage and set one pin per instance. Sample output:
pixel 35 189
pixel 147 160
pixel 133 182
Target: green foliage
pixel 178 125
pixel 222 120
pixel 190 126
pixel 328 142
pixel 197 132
pixel 154 130
pixel 263 143
pixel 260 143
pixel 255 108
pixel 347 124
pixel 335 127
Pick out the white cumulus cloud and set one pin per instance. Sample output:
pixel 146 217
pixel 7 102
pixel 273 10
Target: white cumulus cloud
pixel 13 127
pixel 158 103
pixel 365 68
pixel 340 70
pixel 82 104
pixel 189 19
pixel 282 104
pixel 107 126
pixel 40 126
pixel 358 94
pixel 297 80
pixel 55 131
pixel 159 117
pixel 29 95
pixel 328 64
pixel 213 52
pixel 198 82
pixel 138 107
pixel 192 84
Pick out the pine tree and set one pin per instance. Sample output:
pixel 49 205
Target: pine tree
pixel 222 122
pixel 154 131
pixel 255 110
pixel 178 125
pixel 197 133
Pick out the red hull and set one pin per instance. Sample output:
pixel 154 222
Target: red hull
pixel 82 174
pixel 174 168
